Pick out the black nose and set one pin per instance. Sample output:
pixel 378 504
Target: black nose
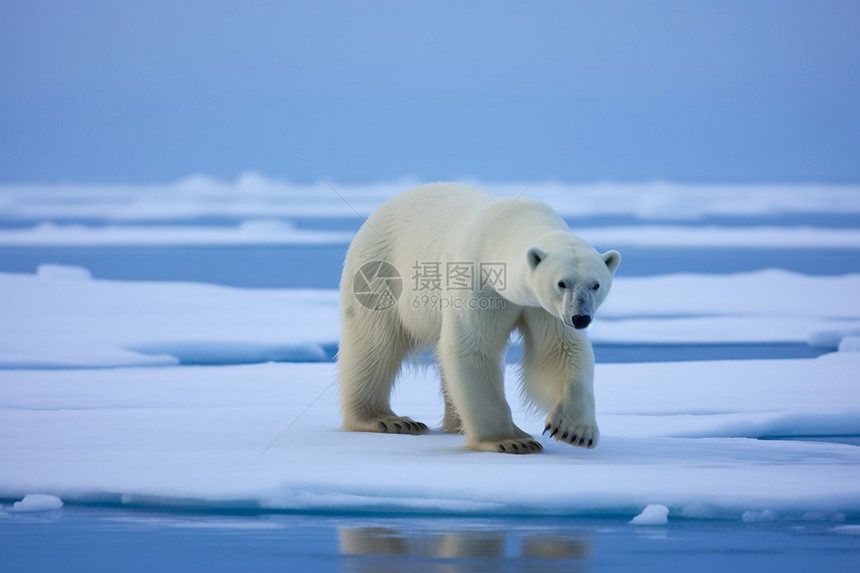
pixel 580 321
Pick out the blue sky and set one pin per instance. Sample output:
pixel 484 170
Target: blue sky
pixel 685 91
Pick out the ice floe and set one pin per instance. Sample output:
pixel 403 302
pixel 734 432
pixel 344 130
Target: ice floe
pixel 267 437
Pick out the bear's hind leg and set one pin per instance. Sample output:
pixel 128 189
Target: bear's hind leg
pixel 367 367
pixel 451 423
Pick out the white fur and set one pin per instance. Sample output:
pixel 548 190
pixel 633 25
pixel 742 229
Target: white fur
pixel 447 222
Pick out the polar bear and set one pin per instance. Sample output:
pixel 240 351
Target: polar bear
pixel 405 287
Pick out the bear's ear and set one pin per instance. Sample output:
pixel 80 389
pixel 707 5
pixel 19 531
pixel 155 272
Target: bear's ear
pixel 535 256
pixel 612 259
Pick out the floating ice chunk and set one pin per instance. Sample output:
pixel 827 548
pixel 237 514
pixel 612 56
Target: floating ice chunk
pixel 654 514
pixel 758 516
pixel 38 502
pixel 63 272
pixel 850 344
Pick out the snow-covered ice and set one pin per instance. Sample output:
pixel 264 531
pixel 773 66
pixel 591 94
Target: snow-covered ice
pixel 37 502
pixel 683 435
pixel 849 344
pixel 160 394
pixel 62 272
pixel 56 322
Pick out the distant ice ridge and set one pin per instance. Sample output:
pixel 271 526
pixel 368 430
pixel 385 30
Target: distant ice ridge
pixel 754 516
pixel 846 529
pixel 276 232
pixel 61 318
pixel 684 438
pixel 256 232
pixel 252 195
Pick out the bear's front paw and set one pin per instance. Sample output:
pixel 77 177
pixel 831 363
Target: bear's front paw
pixel 581 435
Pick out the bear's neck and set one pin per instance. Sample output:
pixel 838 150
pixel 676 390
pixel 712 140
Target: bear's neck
pixel 518 223
pixel 518 291
pixel 510 252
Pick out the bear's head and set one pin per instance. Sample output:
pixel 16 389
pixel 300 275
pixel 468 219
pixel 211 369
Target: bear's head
pixel 570 279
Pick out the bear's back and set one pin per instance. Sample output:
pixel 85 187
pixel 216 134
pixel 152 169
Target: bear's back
pixel 420 221
pixel 430 205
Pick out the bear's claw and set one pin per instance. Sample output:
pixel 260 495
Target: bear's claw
pixel 519 447
pixel 581 436
pixel 401 426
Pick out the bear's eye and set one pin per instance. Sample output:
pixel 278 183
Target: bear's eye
pixel 562 284
pixel 596 286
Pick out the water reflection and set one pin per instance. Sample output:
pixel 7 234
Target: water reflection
pixel 369 549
